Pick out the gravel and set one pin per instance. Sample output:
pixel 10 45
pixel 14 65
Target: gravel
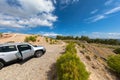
pixel 34 68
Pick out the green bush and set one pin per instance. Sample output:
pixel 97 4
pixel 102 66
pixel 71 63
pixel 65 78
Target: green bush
pixel 46 39
pixel 51 41
pixel 117 51
pixel 30 38
pixel 71 48
pixel 114 63
pixel 26 39
pixel 69 66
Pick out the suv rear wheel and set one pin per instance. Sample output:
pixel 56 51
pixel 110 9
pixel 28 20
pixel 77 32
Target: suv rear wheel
pixel 1 65
pixel 38 53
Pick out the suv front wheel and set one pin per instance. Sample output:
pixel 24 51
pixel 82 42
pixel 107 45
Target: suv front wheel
pixel 1 65
pixel 38 53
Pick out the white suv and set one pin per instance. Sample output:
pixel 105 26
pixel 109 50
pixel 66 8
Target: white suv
pixel 21 51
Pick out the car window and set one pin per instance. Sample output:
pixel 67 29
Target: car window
pixel 8 48
pixel 24 47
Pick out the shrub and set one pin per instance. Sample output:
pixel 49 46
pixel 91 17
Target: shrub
pixel 88 58
pixel 26 39
pixel 95 56
pixel 30 38
pixel 83 46
pixel 46 39
pixel 71 48
pixel 69 66
pixel 117 51
pixel 114 63
pixel 0 34
pixel 51 41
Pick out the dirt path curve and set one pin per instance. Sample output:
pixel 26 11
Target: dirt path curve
pixel 35 68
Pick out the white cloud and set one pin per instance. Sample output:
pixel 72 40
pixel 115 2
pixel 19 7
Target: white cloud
pixel 65 3
pixel 9 23
pixel 95 18
pixel 26 13
pixel 75 0
pixel 94 11
pixel 68 1
pixel 114 10
pixel 103 15
pixel 104 35
pixel 98 17
pixel 49 34
pixel 108 2
pixel 112 3
pixel 54 1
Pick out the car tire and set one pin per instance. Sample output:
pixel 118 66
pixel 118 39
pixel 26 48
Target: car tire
pixel 38 53
pixel 1 65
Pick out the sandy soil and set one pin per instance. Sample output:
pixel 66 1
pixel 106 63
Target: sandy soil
pixel 96 66
pixel 16 37
pixel 35 68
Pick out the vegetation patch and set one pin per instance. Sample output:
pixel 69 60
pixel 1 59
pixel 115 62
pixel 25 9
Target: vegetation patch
pixel 114 63
pixel 51 40
pixel 88 58
pixel 89 40
pixel 71 48
pixel 117 51
pixel 30 38
pixel 46 39
pixel 69 66
pixel 0 34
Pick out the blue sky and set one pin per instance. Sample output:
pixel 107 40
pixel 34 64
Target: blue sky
pixel 94 18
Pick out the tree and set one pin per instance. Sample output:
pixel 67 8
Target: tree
pixel 77 38
pixel 84 38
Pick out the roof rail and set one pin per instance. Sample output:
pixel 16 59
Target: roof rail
pixel 10 42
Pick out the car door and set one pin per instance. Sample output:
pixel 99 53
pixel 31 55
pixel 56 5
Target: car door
pixel 9 52
pixel 25 50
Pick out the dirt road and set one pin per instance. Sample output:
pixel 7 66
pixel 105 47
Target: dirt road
pixel 33 69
